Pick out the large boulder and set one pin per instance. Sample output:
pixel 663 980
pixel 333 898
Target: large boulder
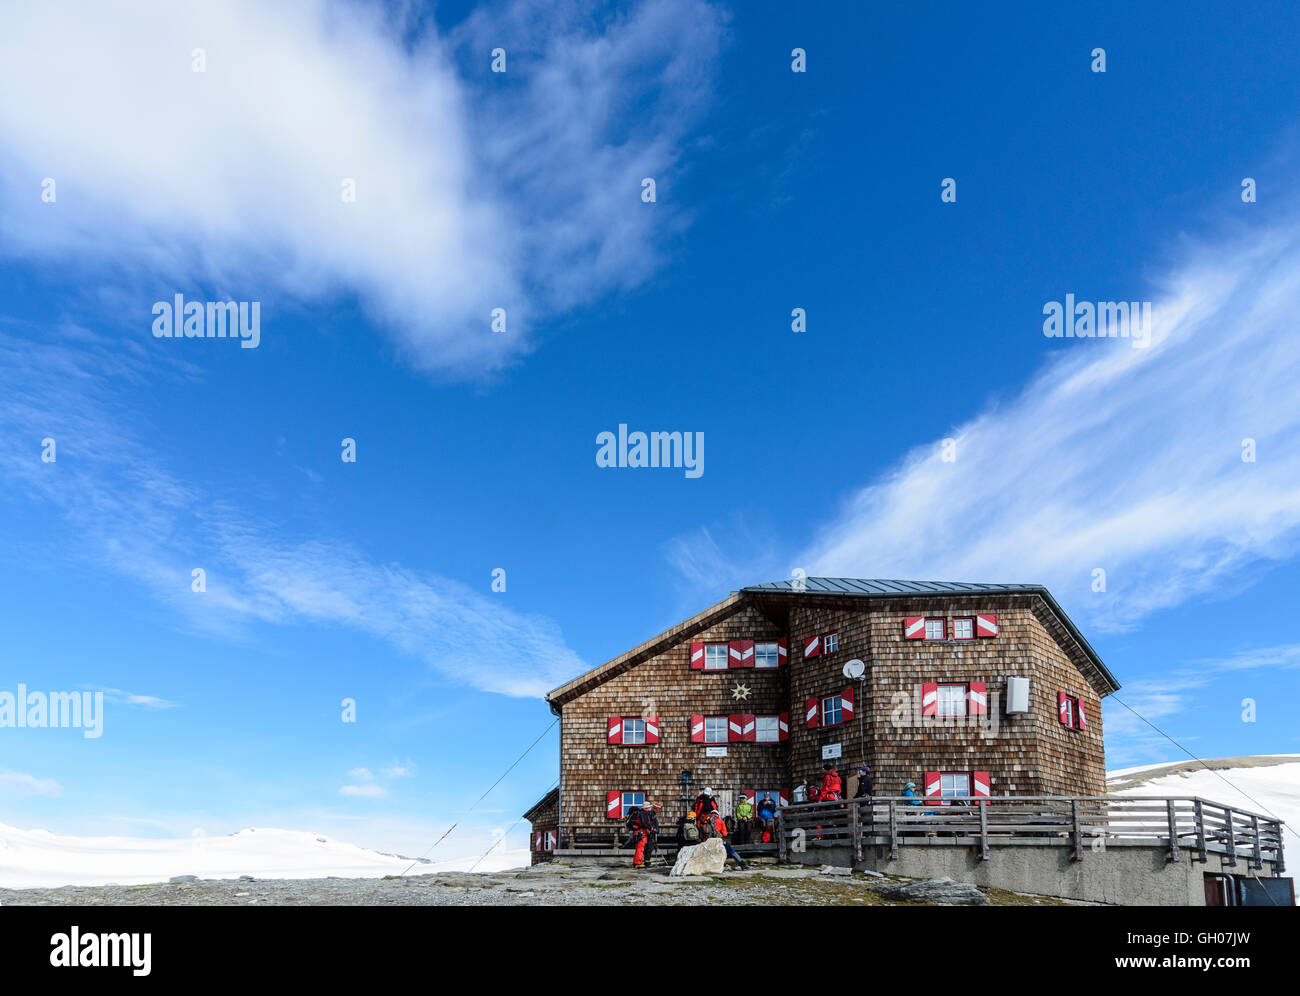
pixel 936 890
pixel 708 858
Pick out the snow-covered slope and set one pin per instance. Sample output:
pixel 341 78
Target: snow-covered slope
pixel 40 859
pixel 1267 784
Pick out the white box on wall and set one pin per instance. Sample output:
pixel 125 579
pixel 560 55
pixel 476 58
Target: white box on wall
pixel 1017 695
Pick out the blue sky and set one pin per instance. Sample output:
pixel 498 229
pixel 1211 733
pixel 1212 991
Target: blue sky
pixel 475 450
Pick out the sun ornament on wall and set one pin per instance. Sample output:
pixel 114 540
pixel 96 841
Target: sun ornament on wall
pixel 740 692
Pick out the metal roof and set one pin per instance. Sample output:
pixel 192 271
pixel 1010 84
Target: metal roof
pixel 878 586
pixel 881 588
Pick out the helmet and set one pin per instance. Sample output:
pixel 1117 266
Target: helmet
pixel 708 791
pixel 910 785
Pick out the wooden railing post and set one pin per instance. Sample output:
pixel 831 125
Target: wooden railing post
pixel 1279 866
pixel 1259 855
pixel 893 830
pixel 1173 831
pixel 1232 836
pixel 857 832
pixel 1075 833
pixel 1199 816
pixel 984 831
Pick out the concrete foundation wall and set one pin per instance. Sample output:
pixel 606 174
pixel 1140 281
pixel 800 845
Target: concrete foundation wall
pixel 1122 874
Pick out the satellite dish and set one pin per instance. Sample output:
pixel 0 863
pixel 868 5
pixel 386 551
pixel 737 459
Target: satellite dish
pixel 854 669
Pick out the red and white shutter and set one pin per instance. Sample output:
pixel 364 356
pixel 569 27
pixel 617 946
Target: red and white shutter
pixel 1063 708
pixel 914 627
pixel 537 841
pixel 740 653
pixel 846 705
pixel 735 728
pixel 811 713
pixel 979 784
pixel 930 698
pixel 986 625
pixel 552 839
pixel 977 700
pixel 615 734
pixel 783 726
pixel 1080 720
pixel 783 797
pixel 652 729
pixel 812 647
pixel 933 786
pixel 614 804
pixel 697 729
pixel 782 651
pixel 697 657
pixel 748 728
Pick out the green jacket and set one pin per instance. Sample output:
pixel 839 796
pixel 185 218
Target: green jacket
pixel 745 810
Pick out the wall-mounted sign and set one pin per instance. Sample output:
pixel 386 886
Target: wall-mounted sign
pixel 830 752
pixel 715 752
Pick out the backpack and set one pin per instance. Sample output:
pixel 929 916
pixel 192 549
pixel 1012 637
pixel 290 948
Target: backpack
pixel 635 819
pixel 687 831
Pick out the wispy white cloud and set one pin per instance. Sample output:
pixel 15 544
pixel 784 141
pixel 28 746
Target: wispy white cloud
pixel 133 517
pixel 120 697
pixel 1111 457
pixel 19 783
pixel 367 791
pixel 474 190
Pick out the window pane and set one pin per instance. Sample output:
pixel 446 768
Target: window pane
pixel 832 643
pixel 934 629
pixel 952 700
pixel 831 710
pixel 715 657
pixel 715 729
pixel 963 629
pixel 765 655
pixel 633 731
pixel 955 786
pixel 767 729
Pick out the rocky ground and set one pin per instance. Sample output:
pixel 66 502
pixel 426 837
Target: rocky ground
pixel 588 882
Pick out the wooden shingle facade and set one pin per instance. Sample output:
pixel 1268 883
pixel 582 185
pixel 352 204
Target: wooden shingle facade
pixel 751 695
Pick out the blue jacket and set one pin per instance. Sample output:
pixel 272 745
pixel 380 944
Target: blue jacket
pixel 912 800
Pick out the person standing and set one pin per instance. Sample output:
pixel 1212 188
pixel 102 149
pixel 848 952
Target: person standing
pixel 744 820
pixel 865 788
pixel 831 787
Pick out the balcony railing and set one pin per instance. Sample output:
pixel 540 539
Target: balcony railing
pixel 1077 822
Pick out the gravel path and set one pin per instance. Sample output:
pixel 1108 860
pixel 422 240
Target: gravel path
pixel 585 883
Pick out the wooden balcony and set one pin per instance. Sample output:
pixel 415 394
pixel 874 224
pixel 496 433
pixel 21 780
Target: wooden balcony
pixel 1188 826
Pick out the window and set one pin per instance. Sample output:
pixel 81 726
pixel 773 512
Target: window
pixel 963 629
pixel 952 700
pixel 934 629
pixel 766 655
pixel 1070 713
pixel 715 729
pixel 831 714
pixel 955 785
pixel 767 729
pixel 634 731
pixel 715 657
pixel 631 799
pixel 830 643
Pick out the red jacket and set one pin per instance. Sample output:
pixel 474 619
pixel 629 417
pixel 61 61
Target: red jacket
pixel 831 786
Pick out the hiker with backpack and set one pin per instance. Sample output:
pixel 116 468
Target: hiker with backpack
pixel 644 825
pixel 831 784
pixel 704 804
